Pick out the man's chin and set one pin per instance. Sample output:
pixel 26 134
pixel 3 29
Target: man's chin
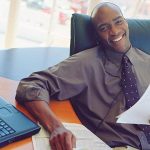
pixel 120 49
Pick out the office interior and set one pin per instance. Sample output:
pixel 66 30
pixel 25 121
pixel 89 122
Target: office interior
pixel 37 32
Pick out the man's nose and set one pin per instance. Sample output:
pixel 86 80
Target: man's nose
pixel 114 30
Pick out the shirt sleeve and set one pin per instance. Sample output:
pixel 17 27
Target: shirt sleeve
pixel 62 81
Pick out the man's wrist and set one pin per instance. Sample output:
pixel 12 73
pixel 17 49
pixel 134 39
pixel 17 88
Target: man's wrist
pixel 54 125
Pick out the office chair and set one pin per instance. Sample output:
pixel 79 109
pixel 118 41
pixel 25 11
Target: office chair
pixel 83 35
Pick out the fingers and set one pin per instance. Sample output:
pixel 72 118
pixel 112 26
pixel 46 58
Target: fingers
pixel 68 141
pixel 59 145
pixel 52 145
pixel 62 139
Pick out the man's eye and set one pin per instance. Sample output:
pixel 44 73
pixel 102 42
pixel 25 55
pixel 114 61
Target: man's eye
pixel 103 29
pixel 119 21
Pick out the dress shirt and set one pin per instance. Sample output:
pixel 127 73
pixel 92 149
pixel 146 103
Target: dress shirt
pixel 91 80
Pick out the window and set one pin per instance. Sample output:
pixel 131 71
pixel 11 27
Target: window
pixel 47 22
pixel 43 22
pixel 4 8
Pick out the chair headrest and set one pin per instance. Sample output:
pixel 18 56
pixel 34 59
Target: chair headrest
pixel 83 33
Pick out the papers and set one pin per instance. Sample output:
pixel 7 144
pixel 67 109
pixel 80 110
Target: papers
pixel 86 140
pixel 138 113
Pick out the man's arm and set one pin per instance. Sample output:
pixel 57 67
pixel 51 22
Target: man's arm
pixel 62 81
pixel 61 138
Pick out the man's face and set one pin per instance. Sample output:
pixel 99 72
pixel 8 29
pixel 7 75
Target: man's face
pixel 112 28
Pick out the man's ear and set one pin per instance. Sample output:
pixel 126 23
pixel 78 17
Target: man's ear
pixel 97 37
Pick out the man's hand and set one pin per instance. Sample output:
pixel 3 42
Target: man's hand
pixel 62 139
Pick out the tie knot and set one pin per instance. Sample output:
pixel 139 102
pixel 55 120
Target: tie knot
pixel 125 58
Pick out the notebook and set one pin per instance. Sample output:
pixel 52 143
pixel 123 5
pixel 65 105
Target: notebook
pixel 14 125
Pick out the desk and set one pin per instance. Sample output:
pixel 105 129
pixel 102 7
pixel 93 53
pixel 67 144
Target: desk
pixel 18 63
pixel 8 90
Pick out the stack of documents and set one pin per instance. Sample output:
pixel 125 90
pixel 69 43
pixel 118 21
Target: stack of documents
pixel 86 140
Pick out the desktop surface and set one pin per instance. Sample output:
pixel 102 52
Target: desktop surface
pixel 62 109
pixel 18 63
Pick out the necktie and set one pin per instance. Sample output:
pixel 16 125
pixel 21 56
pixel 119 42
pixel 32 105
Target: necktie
pixel 129 86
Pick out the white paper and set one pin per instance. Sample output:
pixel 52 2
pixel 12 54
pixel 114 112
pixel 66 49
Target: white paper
pixel 85 139
pixel 139 113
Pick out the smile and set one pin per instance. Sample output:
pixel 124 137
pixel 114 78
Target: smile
pixel 118 39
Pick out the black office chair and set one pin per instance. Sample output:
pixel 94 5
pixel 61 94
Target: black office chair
pixel 83 35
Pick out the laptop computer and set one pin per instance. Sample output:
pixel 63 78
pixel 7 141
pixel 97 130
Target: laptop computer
pixel 14 125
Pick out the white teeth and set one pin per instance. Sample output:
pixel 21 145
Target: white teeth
pixel 118 39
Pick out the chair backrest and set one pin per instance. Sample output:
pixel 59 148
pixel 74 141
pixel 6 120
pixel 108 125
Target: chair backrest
pixel 83 35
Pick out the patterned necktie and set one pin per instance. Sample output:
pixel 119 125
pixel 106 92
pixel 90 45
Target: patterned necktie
pixel 129 86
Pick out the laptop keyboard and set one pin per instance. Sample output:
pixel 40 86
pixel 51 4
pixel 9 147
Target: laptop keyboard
pixel 5 129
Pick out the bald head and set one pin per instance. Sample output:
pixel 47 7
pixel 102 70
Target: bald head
pixel 103 6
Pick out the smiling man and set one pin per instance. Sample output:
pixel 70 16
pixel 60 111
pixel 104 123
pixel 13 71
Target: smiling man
pixel 100 82
pixel 111 27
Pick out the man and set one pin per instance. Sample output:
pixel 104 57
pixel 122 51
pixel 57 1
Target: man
pixel 92 80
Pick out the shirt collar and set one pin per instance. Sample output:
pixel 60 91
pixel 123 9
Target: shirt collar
pixel 113 56
pixel 113 61
pixel 131 54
